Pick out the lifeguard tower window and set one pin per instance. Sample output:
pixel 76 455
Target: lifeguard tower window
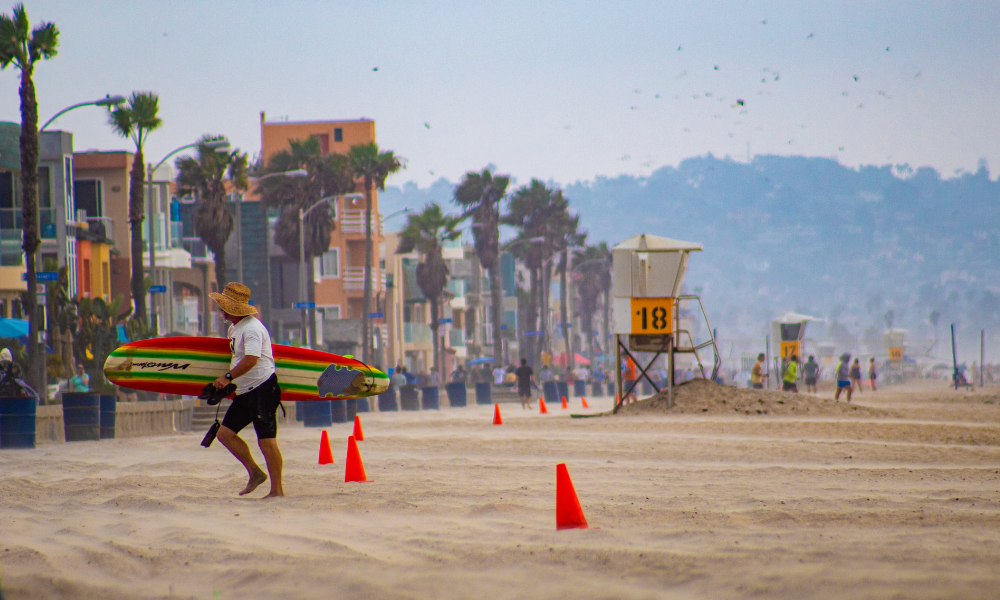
pixel 790 331
pixel 338 134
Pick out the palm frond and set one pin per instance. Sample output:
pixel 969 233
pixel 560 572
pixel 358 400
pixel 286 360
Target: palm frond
pixel 10 49
pixel 44 39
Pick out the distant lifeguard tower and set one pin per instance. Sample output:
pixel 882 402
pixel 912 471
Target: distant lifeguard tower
pixel 647 278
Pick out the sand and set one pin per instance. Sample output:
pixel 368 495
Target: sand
pixel 899 499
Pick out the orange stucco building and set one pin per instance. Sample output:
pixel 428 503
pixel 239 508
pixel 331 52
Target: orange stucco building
pixel 339 274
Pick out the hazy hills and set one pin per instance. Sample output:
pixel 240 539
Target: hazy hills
pixel 810 235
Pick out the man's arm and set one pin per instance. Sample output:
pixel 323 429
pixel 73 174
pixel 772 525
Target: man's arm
pixel 242 368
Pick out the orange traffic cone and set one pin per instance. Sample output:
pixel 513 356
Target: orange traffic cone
pixel 497 419
pixel 618 398
pixel 565 406
pixel 569 514
pixel 358 434
pixel 541 407
pixel 355 468
pixel 325 454
pixel 584 401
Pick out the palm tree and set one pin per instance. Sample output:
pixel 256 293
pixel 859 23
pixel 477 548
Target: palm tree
pixel 328 175
pixel 594 266
pixel 23 46
pixel 539 212
pixel 206 177
pixel 571 238
pixel 480 195
pixel 425 232
pixel 134 120
pixel 373 166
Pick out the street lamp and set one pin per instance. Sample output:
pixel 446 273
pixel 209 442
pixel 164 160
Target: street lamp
pixel 303 290
pixel 105 101
pixel 220 145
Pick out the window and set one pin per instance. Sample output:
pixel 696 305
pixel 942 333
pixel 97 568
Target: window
pixel 106 280
pixel 330 263
pixel 330 313
pixel 338 134
pixel 88 196
pixel 86 278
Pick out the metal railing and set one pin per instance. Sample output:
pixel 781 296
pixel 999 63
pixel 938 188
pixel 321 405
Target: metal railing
pixel 353 222
pixel 354 279
pixel 417 333
pixel 102 226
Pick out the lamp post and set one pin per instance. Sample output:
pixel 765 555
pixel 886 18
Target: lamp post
pixel 106 101
pixel 377 330
pixel 303 289
pixel 220 145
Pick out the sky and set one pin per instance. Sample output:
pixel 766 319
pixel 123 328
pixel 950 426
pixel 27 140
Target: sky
pixel 561 91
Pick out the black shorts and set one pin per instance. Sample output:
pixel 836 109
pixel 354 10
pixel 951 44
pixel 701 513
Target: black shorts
pixel 811 381
pixel 788 386
pixel 258 406
pixel 758 386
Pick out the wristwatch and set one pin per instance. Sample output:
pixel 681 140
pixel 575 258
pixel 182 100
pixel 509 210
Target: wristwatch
pixel 229 376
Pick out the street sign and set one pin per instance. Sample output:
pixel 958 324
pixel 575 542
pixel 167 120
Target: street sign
pixel 304 305
pixel 375 315
pixel 42 276
pixel 503 328
pixel 789 349
pixel 896 353
pixel 533 333
pixel 652 315
pixel 443 321
pixel 157 289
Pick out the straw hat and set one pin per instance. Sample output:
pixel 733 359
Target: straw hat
pixel 234 300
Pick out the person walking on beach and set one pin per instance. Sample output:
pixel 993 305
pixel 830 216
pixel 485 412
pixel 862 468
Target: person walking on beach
pixel 525 376
pixel 757 374
pixel 844 376
pixel 257 392
pixel 811 373
pixel 789 382
pixel 856 374
pixel 872 373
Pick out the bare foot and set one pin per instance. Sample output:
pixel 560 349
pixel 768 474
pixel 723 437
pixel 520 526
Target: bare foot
pixel 255 480
pixel 274 494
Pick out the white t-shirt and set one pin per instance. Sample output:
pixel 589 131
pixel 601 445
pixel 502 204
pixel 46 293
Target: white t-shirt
pixel 498 374
pixel 250 337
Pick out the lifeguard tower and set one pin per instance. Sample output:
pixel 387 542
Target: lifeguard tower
pixel 647 278
pixel 789 333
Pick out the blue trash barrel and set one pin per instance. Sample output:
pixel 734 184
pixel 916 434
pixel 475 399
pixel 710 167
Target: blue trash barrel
pixel 387 400
pixel 315 413
pixel 81 416
pixel 550 392
pixel 363 405
pixel 109 410
pixel 351 406
pixel 430 399
pixel 563 389
pixel 17 422
pixel 338 411
pixel 598 389
pixel 484 394
pixel 300 411
pixel 457 395
pixel 611 389
pixel 579 388
pixel 409 398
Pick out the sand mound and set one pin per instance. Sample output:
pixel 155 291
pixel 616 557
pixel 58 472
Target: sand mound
pixel 701 396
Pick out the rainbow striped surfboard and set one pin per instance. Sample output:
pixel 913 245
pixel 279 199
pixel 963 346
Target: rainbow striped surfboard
pixel 184 365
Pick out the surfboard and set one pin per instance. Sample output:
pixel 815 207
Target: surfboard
pixel 184 365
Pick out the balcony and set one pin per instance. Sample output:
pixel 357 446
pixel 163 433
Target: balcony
pixel 352 222
pixel 354 279
pixel 104 226
pixel 416 333
pixel 456 338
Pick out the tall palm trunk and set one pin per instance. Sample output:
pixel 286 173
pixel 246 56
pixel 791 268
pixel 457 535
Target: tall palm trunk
pixel 587 328
pixel 435 340
pixel 563 290
pixel 220 267
pixel 544 313
pixel 496 295
pixel 365 333
pixel 136 214
pixel 29 216
pixel 531 322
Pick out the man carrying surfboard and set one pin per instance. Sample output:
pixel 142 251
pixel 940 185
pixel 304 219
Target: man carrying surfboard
pixel 257 393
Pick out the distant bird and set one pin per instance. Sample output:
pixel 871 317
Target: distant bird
pixel 687 129
pixel 739 103
pixel 887 48
pixel 777 77
pixel 657 95
pixel 809 36
pixel 708 94
pixel 375 69
pixel 861 105
pixel 716 67
pixel 843 94
pixel 841 148
pixel 633 107
pixel 855 78
pixel 764 22
pixel 678 48
pixel 638 91
pixel 427 125
pixel 431 172
pixel 917 76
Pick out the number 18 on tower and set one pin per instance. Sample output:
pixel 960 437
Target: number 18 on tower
pixel 652 315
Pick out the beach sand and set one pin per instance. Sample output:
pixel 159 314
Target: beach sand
pixel 900 499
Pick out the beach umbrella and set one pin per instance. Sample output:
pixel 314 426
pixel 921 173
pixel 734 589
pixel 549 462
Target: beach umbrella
pixel 479 361
pixel 13 328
